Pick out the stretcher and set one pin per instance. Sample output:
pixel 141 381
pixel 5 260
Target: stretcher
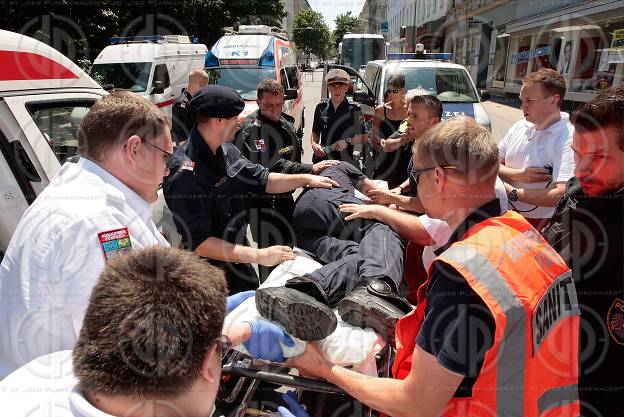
pixel 245 381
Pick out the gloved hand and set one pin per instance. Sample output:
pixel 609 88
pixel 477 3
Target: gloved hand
pixel 265 339
pixel 235 300
pixel 290 398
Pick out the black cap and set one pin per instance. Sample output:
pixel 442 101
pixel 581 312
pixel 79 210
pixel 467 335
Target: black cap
pixel 217 101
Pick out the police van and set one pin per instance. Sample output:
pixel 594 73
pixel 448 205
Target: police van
pixel 242 58
pixel 155 67
pixel 433 72
pixel 43 97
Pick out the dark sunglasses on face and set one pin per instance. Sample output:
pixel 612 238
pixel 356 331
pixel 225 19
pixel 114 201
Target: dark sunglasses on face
pixel 416 173
pixel 393 90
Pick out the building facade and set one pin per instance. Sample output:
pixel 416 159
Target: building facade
pixel 292 7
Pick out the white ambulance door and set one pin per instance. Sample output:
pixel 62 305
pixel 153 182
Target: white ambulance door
pixel 161 92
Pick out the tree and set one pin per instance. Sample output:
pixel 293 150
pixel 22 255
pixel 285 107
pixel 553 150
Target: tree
pixel 310 33
pixel 345 23
pixel 82 30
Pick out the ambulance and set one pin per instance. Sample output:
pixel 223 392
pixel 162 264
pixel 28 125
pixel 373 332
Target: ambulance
pixel 155 67
pixel 43 96
pixel 242 58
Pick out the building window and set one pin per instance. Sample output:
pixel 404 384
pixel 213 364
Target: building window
pixel 500 61
pixel 594 68
pixel 519 62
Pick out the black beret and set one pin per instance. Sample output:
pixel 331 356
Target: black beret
pixel 217 101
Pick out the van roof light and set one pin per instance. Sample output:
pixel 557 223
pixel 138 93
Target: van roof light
pixel 254 29
pixel 440 56
pixel 151 39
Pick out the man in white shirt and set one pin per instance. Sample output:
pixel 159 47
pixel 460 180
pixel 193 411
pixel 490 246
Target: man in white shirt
pixel 151 344
pixel 90 211
pixel 535 155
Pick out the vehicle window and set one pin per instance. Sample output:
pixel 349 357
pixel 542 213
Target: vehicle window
pixel 450 85
pixel 58 122
pixel 161 74
pixel 291 74
pixel 284 79
pixel 131 76
pixel 243 80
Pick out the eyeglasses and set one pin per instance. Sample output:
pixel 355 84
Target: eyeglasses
pixel 224 344
pixel 416 173
pixel 393 90
pixel 168 155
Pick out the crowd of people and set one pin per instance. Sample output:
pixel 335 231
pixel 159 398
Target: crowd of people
pixel 495 270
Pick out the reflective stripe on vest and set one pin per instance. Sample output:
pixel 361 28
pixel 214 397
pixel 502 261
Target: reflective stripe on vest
pixel 510 368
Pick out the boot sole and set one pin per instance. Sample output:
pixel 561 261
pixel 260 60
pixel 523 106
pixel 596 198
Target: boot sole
pixel 369 315
pixel 301 315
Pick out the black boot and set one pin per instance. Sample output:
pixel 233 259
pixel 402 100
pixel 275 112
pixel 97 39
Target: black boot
pixel 300 306
pixel 375 304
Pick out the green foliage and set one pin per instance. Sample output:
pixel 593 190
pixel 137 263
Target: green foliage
pixel 345 23
pixel 81 31
pixel 310 33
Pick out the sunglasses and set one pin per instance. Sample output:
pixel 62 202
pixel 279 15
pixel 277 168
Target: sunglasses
pixel 416 173
pixel 393 90
pixel 168 155
pixel 224 344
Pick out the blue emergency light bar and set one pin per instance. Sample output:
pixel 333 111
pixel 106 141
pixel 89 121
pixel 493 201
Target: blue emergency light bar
pixel 142 38
pixel 444 56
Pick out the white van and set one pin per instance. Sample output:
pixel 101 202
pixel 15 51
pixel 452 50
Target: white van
pixel 43 97
pixel 155 67
pixel 242 59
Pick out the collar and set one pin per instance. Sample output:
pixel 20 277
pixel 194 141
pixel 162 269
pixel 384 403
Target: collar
pixel 117 188
pixel 198 149
pixel 489 209
pixel 553 129
pixel 344 103
pixel 266 120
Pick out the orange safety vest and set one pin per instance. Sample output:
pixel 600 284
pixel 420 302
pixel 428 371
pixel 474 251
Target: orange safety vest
pixel 532 367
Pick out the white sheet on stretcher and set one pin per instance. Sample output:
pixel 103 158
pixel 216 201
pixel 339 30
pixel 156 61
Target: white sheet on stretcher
pixel 347 345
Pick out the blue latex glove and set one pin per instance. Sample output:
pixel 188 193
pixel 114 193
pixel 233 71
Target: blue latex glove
pixel 235 300
pixel 265 339
pixel 290 398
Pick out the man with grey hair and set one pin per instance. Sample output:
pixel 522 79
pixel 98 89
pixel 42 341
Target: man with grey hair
pixel 464 347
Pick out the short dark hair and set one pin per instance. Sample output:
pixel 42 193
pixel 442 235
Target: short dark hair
pixel 422 96
pixel 152 317
pixel 269 86
pixel 115 118
pixel 604 110
pixel 396 80
pixel 552 82
pixel 461 142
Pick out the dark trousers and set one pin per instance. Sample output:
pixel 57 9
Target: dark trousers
pixel 270 221
pixel 351 250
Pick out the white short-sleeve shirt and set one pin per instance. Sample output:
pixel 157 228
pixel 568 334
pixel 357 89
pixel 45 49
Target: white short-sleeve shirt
pixel 523 147
pixel 60 246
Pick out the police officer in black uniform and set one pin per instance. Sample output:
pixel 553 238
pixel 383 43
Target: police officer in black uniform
pixel 209 186
pixel 267 137
pixel 338 124
pixel 182 118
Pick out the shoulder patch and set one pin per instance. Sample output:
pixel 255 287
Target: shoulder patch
pixel 183 104
pixel 188 165
pixel 114 242
pixel 260 145
pixel 615 321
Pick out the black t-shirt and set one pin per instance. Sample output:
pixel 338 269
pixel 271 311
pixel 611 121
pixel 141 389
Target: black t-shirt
pixel 344 122
pixel 588 233
pixel 458 328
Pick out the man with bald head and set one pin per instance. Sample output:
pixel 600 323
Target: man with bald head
pixel 181 115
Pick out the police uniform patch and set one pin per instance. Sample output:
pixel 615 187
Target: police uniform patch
pixel 188 165
pixel 114 242
pixel 260 145
pixel 615 321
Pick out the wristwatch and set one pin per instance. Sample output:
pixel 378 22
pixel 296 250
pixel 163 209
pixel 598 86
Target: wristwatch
pixel 513 195
pixel 348 140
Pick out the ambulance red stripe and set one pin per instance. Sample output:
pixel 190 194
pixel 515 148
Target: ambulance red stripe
pixel 166 103
pixel 18 66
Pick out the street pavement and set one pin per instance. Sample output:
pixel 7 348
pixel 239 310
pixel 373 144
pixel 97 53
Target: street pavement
pixel 501 115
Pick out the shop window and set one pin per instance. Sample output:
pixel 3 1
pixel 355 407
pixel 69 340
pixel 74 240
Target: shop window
pixel 520 48
pixel 543 52
pixel 500 61
pixel 594 70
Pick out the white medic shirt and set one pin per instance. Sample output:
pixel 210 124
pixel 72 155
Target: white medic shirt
pixel 83 217
pixel 523 146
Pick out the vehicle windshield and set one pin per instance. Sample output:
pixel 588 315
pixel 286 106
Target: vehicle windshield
pixel 131 76
pixel 243 80
pixel 356 52
pixel 449 85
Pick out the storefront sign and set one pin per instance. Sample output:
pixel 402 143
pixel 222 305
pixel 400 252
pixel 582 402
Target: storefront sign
pixel 524 56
